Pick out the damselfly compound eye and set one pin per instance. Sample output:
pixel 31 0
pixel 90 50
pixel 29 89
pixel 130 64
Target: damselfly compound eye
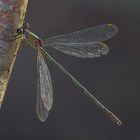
pixel 19 31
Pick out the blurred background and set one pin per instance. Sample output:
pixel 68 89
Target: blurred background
pixel 114 79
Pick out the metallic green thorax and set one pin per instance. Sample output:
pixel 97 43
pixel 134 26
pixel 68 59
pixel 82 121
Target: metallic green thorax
pixel 32 39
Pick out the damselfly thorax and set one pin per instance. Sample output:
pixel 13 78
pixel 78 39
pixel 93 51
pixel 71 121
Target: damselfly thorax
pixel 32 39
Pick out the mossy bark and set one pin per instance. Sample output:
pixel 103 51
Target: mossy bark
pixel 12 13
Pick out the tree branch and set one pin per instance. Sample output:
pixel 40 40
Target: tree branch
pixel 12 13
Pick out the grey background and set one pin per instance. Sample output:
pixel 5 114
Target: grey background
pixel 114 79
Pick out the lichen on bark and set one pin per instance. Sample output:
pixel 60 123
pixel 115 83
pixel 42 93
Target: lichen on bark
pixel 12 13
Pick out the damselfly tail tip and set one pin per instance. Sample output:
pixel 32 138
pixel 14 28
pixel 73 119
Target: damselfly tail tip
pixel 114 118
pixel 119 123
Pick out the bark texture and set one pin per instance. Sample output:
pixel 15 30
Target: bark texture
pixel 12 13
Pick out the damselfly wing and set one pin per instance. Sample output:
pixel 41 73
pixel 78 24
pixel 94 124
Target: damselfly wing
pixel 85 43
pixel 44 92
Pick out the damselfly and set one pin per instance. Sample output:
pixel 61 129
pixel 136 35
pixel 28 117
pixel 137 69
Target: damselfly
pixel 87 43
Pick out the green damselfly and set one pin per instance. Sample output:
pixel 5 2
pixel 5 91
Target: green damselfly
pixel 87 43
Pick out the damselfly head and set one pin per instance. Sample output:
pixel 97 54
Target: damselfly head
pixel 22 29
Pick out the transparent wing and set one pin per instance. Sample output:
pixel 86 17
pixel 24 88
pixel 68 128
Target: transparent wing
pixel 82 50
pixel 42 112
pixel 94 34
pixel 85 43
pixel 45 93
